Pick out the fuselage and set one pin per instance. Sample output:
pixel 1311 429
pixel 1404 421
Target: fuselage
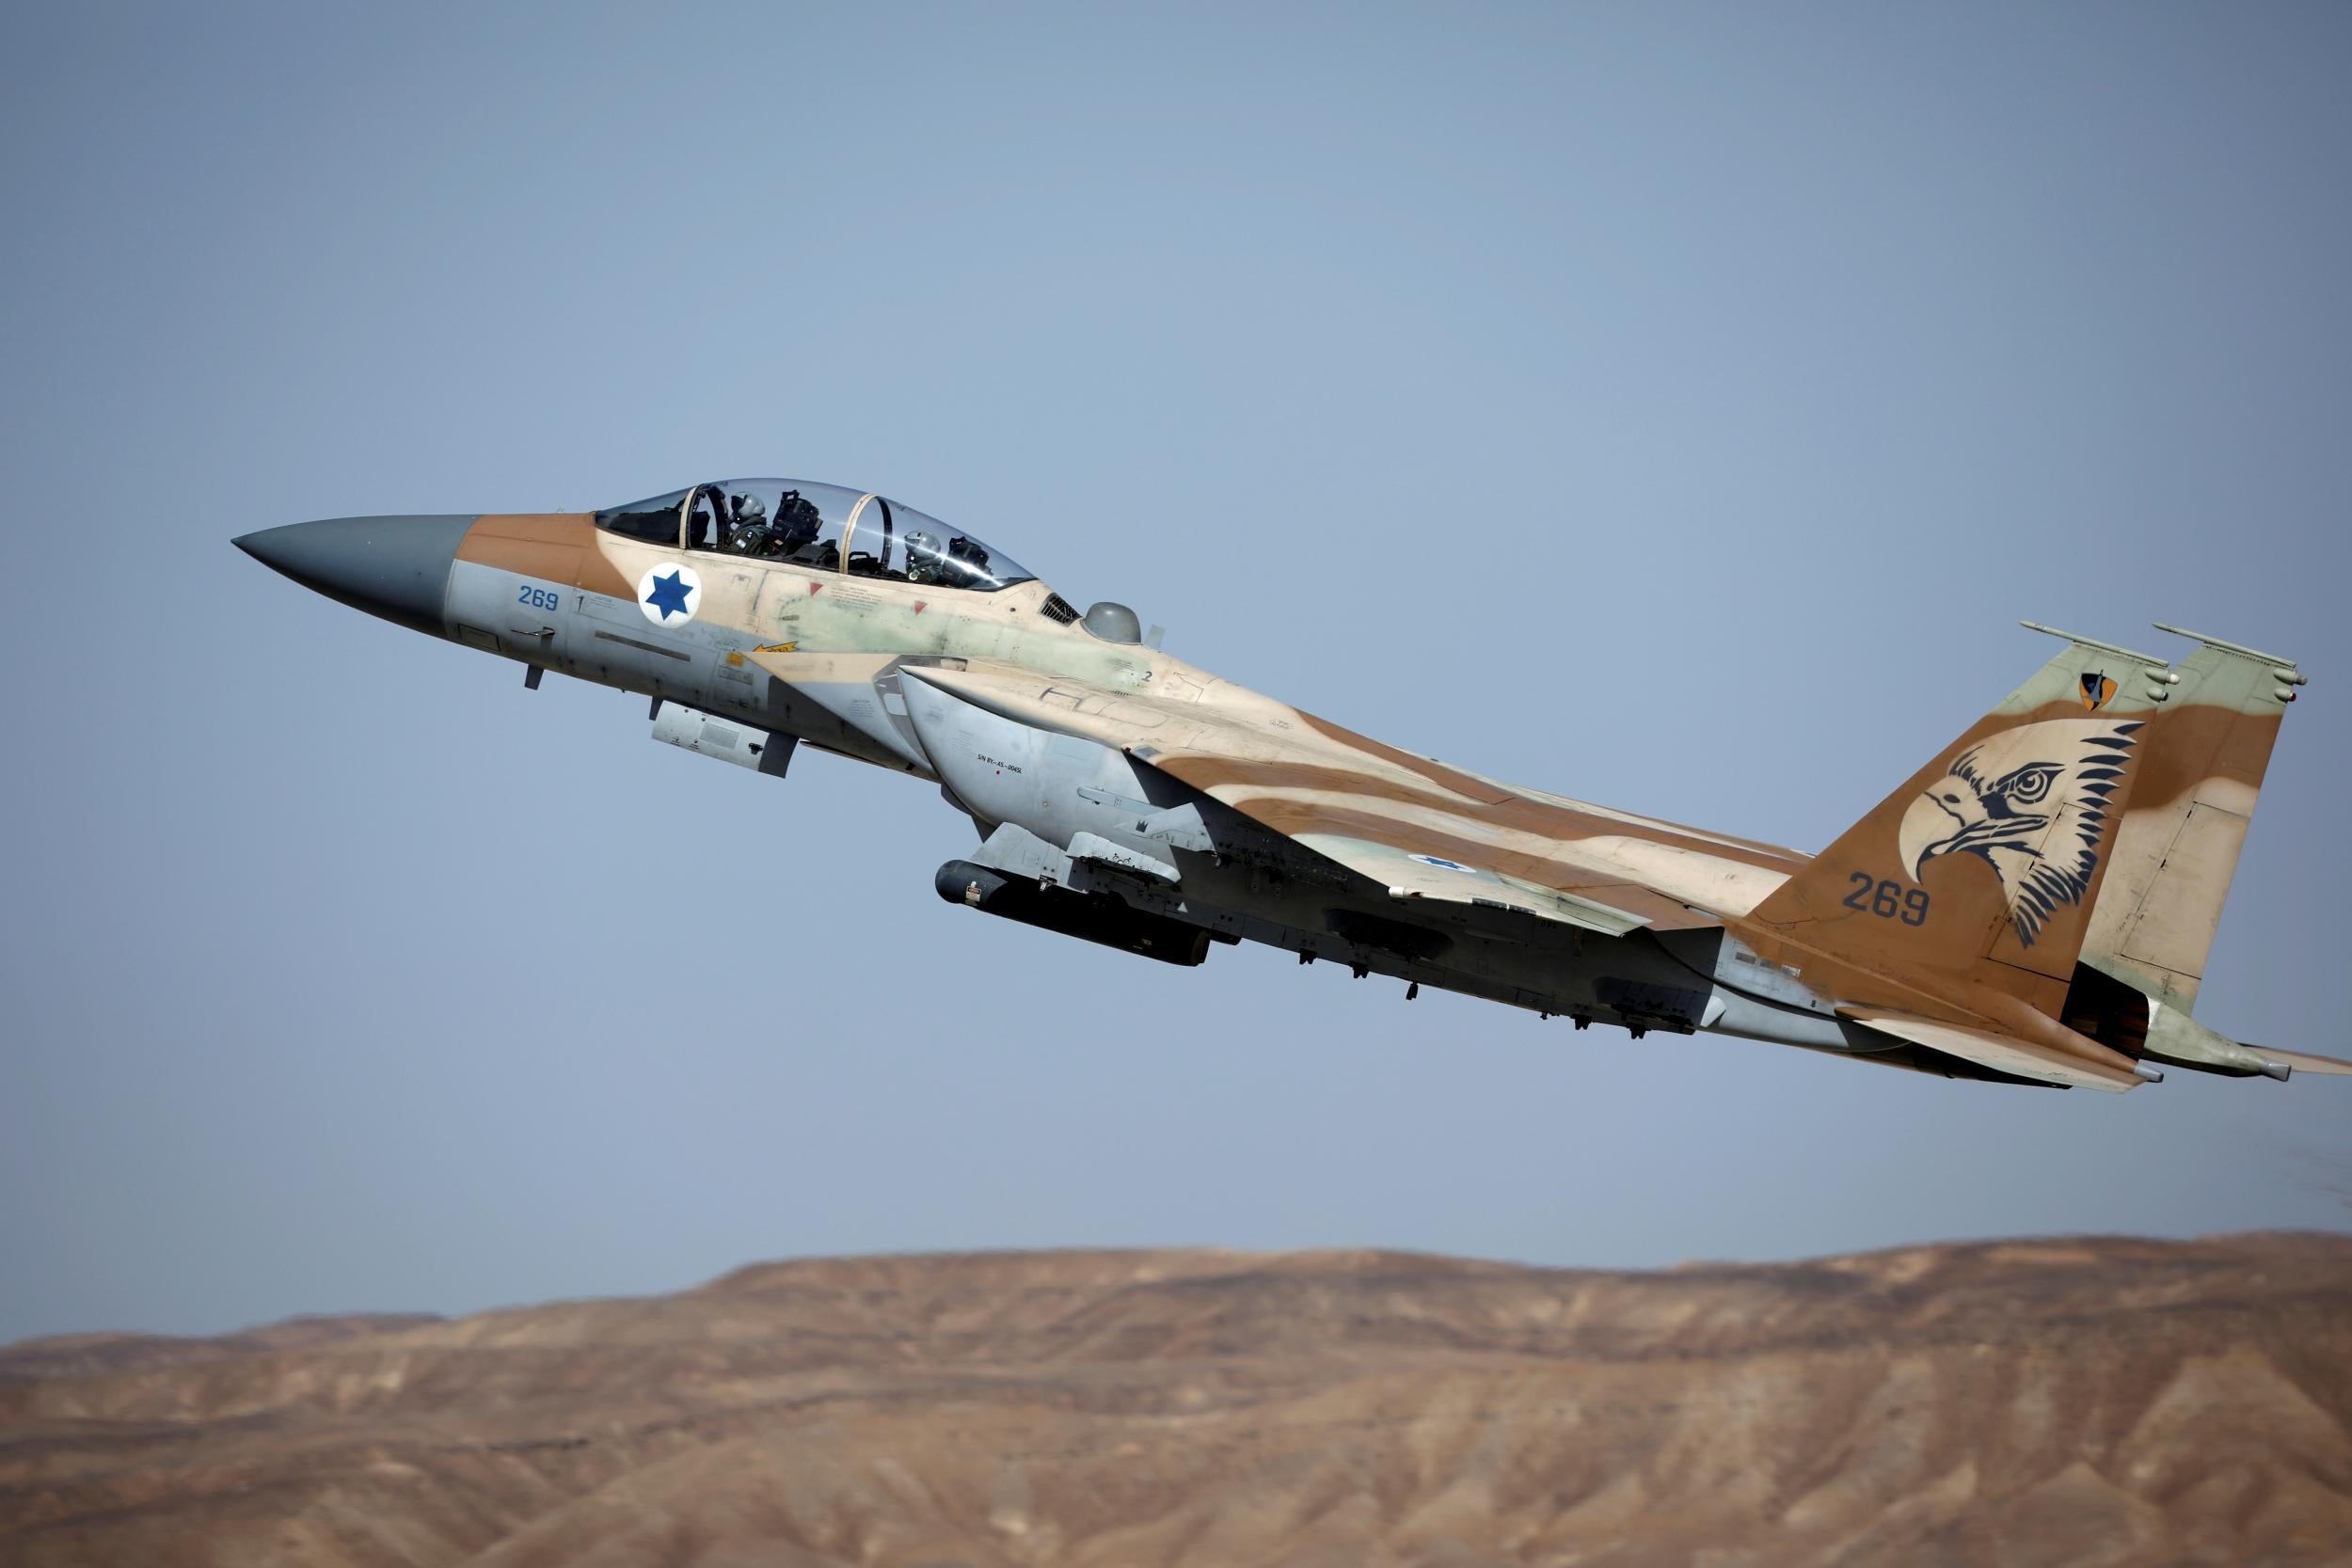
pixel 819 656
pixel 1121 794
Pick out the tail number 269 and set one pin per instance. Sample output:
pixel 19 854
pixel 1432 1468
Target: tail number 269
pixel 1887 899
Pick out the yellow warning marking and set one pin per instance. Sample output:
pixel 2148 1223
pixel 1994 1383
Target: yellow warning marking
pixel 773 648
pixel 736 660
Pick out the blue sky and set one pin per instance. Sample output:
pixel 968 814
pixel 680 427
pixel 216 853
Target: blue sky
pixel 1674 406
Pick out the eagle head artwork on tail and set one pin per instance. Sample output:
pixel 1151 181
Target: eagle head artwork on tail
pixel 2030 802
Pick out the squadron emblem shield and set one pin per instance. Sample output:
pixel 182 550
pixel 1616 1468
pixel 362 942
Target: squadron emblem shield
pixel 669 596
pixel 2097 690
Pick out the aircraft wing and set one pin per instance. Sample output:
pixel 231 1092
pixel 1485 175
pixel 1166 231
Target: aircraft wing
pixel 1411 878
pixel 1414 826
pixel 2001 1052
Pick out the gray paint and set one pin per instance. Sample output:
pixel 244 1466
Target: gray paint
pixel 1113 623
pixel 707 735
pixel 395 567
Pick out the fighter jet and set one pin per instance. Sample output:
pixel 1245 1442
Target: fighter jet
pixel 2032 905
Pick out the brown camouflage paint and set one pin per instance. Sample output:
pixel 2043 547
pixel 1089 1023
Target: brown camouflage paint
pixel 2193 778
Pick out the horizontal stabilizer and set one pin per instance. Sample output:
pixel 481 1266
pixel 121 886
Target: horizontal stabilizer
pixel 2303 1061
pixel 2000 1052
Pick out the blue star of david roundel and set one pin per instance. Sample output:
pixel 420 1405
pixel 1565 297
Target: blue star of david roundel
pixel 670 595
pixel 1442 862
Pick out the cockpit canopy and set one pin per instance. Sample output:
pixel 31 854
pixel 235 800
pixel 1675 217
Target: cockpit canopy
pixel 821 527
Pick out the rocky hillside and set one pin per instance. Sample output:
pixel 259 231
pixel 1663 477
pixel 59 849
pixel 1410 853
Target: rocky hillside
pixel 2076 1402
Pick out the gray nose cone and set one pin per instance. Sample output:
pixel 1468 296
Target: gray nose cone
pixel 396 567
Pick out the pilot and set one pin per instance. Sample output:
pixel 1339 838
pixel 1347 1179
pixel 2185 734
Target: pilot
pixel 745 511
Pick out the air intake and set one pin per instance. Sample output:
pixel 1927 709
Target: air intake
pixel 1059 609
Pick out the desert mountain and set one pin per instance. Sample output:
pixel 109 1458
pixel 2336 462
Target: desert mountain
pixel 2079 1402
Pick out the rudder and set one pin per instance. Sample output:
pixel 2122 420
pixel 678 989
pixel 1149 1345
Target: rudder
pixel 2201 775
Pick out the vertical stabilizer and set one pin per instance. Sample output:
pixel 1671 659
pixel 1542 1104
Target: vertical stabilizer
pixel 1981 868
pixel 2202 765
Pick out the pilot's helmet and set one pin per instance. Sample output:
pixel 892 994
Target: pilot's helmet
pixel 751 509
pixel 922 545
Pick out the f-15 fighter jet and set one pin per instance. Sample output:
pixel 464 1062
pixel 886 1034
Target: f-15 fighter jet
pixel 2032 905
